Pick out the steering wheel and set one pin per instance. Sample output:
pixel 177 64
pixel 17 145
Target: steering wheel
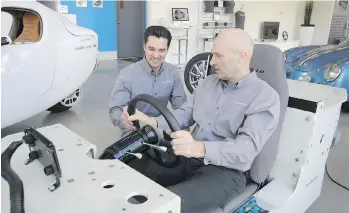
pixel 171 120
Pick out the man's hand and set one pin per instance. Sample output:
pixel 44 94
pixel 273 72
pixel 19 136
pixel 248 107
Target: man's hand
pixel 184 144
pixel 127 119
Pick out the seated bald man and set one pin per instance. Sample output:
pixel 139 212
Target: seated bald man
pixel 235 113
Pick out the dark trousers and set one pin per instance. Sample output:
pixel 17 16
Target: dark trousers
pixel 202 188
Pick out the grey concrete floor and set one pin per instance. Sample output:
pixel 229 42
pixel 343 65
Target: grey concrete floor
pixel 89 119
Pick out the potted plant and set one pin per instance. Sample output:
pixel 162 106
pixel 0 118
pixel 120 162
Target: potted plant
pixel 307 30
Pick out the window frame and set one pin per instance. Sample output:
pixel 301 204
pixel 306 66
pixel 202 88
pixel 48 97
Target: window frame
pixel 13 11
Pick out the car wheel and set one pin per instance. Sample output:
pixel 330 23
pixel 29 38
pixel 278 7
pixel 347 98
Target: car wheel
pixel 196 70
pixel 66 103
pixel 345 106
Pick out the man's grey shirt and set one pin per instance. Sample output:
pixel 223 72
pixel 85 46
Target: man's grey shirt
pixel 232 120
pixel 139 78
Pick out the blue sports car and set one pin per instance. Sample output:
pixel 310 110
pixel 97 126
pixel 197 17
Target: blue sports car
pixel 328 65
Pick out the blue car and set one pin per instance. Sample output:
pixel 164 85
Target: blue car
pixel 327 64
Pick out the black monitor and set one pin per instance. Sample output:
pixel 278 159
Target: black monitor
pixel 270 30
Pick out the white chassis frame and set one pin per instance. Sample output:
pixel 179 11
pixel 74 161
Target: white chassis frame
pixel 305 142
pixel 296 183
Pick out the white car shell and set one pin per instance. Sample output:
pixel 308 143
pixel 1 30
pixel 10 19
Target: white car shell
pixel 36 76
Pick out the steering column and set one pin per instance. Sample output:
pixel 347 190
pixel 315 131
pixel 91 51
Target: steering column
pixel 137 142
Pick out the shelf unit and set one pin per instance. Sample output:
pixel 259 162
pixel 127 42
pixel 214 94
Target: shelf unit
pixel 208 34
pixel 202 34
pixel 180 39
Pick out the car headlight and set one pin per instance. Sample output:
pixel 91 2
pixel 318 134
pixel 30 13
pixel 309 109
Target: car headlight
pixel 332 72
pixel 305 78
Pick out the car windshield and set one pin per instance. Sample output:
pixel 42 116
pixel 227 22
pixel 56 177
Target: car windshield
pixel 326 48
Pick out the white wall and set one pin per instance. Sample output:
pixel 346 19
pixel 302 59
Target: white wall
pixel 289 13
pixel 321 18
pixel 163 9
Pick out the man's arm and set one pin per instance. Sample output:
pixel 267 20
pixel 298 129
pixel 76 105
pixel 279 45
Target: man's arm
pixel 119 98
pixel 183 115
pixel 178 96
pixel 239 153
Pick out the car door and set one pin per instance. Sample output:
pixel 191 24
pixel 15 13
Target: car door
pixel 27 64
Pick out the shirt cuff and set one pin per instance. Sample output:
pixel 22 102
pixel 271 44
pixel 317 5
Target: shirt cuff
pixel 212 155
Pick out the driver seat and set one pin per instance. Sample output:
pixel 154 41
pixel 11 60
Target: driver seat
pixel 268 62
pixel 31 28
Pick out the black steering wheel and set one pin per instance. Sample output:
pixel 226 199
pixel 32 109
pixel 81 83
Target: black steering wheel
pixel 171 120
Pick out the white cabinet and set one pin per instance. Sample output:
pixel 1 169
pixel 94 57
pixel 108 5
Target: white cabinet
pixel 283 45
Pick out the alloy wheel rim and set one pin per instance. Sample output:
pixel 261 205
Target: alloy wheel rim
pixel 198 72
pixel 71 99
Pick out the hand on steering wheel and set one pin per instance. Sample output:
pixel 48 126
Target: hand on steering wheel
pixel 165 112
pixel 138 116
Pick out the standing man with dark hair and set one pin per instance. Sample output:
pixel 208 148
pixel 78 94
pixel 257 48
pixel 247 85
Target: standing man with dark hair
pixel 152 76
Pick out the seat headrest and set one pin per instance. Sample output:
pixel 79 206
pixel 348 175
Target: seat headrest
pixel 31 28
pixel 268 62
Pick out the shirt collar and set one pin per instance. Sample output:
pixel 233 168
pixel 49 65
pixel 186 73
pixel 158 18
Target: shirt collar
pixel 148 68
pixel 242 83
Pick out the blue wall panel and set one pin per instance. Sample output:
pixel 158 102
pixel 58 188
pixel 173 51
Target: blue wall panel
pixel 100 20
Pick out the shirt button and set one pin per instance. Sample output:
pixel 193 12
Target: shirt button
pixel 217 107
pixel 209 124
pixel 202 129
pixel 156 93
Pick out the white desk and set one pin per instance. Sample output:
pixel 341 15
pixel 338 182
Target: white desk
pixel 83 180
pixel 283 45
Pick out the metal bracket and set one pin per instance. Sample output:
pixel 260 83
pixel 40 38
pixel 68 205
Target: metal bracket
pixel 44 151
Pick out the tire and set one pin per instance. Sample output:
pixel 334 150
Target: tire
pixel 57 108
pixel 66 103
pixel 345 106
pixel 189 78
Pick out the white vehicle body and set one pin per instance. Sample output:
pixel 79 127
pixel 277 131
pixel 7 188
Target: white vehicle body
pixel 37 75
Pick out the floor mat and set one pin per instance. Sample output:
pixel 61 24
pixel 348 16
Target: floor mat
pixel 337 164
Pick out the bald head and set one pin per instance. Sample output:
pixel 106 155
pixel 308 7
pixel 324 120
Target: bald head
pixel 232 52
pixel 236 40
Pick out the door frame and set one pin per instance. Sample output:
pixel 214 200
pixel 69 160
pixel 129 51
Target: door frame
pixel 144 22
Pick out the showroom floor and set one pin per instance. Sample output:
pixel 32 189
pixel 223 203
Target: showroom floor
pixel 89 119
